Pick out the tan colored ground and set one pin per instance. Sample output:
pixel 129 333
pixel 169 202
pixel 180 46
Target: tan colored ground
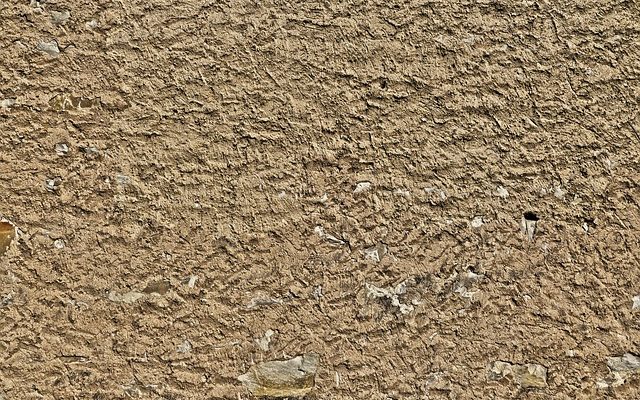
pixel 224 140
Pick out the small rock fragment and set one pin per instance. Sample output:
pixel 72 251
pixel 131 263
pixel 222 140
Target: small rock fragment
pixel 60 17
pixel 289 378
pixel 61 149
pixel 464 284
pixel 93 24
pixel 263 301
pixel 321 200
pixel 525 375
pixel 52 184
pixel 263 342
pixel 477 222
pixel 91 152
pixel 37 6
pixel 627 363
pixel 502 192
pixel 330 238
pixel 391 294
pixel 402 192
pixel 362 187
pixel 636 302
pixel 192 281
pixel 185 347
pixel 558 192
pixel 6 103
pixel 69 102
pixel 528 224
pixel 127 298
pixel 621 369
pixel 122 179
pixel 7 234
pixel 375 253
pixel 439 194
pixel 159 287
pixel 58 244
pixel 436 381
pixel 51 48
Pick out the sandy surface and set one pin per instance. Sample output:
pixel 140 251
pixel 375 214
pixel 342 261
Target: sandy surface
pixel 199 186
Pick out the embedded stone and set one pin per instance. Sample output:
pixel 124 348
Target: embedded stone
pixel 289 378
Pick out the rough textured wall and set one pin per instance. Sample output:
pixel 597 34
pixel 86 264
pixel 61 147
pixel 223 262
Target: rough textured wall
pixel 201 186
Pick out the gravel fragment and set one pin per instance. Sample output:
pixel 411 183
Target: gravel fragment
pixel 52 184
pixel 61 149
pixel 290 378
pixel 362 187
pixel 6 103
pixel 477 222
pixel 91 152
pixel 185 347
pixel 528 224
pixel 375 253
pixel 93 24
pixel 122 179
pixel 621 369
pixel 263 301
pixel 502 192
pixel 391 294
pixel 525 375
pixel 51 48
pixel 263 342
pixel 60 17
pixel 626 363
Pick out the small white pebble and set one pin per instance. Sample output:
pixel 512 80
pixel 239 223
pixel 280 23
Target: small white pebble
pixel 636 302
pixel 192 281
pixel 91 24
pixel 319 231
pixel 371 253
pixel 477 222
pixel 502 192
pixel 6 103
pixel 185 347
pixel 61 149
pixel 362 187
pixel 58 244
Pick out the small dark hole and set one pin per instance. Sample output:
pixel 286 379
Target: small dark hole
pixel 531 216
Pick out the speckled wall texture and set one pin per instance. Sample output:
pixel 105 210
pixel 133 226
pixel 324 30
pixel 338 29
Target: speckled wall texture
pixel 332 199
